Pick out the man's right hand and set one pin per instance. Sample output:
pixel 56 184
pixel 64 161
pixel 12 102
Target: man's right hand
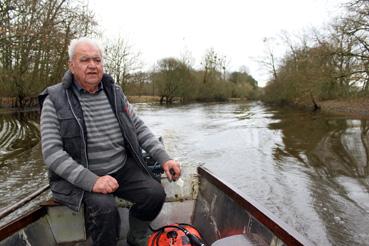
pixel 105 184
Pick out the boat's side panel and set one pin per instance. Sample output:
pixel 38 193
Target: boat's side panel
pixel 229 213
pixel 20 223
pixel 225 217
pixel 46 225
pixel 37 233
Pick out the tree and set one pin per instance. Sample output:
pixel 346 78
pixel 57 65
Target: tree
pixel 214 66
pixel 172 79
pixel 140 84
pixel 243 78
pixel 304 75
pixel 33 43
pixel 354 28
pixel 270 60
pixel 120 61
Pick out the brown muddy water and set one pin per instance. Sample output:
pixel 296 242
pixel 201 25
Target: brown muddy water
pixel 309 169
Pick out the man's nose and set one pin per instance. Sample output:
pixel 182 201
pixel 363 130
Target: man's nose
pixel 91 64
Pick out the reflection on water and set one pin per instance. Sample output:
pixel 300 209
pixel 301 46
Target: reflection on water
pixel 311 170
pixel 334 155
pixel 21 168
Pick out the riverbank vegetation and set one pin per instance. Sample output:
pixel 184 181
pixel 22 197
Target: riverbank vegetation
pixel 326 65
pixel 175 79
pixel 318 66
pixel 34 38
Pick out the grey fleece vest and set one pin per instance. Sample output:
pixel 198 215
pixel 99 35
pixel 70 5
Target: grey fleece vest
pixel 73 132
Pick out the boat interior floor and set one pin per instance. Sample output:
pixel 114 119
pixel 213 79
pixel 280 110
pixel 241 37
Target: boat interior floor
pixel 236 240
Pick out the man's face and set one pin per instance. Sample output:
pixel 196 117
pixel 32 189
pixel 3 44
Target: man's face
pixel 87 66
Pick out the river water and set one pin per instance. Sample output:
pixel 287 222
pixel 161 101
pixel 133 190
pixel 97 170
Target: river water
pixel 309 169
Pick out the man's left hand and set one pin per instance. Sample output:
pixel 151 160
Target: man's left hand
pixel 172 169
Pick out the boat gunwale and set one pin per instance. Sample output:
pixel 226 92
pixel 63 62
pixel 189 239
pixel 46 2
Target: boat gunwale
pixel 23 221
pixel 283 231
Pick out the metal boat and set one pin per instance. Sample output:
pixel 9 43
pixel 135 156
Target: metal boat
pixel 220 213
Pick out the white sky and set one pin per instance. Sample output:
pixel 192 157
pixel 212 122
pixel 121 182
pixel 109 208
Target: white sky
pixel 233 28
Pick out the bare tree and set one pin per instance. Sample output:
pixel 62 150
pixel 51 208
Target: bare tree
pixel 120 61
pixel 269 61
pixel 33 43
pixel 214 66
pixel 355 28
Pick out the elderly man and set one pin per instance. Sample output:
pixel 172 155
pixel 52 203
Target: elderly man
pixel 92 141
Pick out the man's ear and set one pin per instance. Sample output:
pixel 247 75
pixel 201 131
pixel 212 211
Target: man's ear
pixel 71 67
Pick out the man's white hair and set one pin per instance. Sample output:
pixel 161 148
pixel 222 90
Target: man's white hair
pixel 83 40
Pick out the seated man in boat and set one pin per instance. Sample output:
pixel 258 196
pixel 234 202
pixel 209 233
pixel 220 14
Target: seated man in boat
pixel 91 143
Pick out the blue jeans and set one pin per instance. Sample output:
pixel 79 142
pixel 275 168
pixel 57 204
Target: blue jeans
pixel 135 185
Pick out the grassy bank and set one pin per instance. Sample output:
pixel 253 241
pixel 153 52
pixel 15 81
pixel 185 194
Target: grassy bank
pixel 156 99
pixel 356 108
pixel 143 99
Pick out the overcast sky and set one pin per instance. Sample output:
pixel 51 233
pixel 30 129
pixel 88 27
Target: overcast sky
pixel 233 28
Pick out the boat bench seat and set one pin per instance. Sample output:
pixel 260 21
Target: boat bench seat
pixel 235 240
pixel 66 225
pixel 69 226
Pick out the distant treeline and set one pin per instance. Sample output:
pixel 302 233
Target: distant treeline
pixel 34 37
pixel 323 66
pixel 174 78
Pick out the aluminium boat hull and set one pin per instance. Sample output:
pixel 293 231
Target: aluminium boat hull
pixel 214 207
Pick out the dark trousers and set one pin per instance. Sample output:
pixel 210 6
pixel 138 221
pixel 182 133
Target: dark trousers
pixel 135 185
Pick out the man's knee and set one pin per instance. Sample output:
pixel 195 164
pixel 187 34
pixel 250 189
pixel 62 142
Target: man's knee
pixel 100 203
pixel 157 193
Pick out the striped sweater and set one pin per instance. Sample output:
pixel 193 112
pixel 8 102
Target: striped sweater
pixel 105 144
